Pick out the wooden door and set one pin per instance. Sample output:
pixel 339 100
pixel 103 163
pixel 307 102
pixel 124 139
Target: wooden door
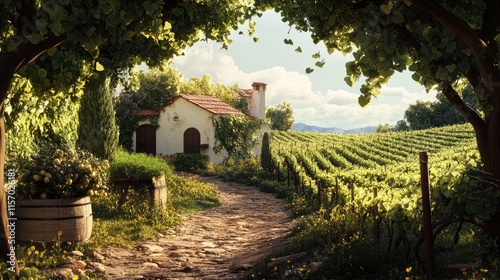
pixel 145 136
pixel 192 141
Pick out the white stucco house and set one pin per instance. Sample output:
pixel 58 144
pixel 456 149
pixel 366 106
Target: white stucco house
pixel 184 124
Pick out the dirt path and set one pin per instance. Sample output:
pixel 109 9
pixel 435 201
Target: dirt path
pixel 219 243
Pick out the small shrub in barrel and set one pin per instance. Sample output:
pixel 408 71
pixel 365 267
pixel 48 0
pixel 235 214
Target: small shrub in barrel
pixel 53 192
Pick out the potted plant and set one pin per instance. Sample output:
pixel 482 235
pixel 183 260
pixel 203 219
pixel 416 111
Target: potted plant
pixel 53 194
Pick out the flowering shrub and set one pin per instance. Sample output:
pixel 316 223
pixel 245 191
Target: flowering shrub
pixel 61 172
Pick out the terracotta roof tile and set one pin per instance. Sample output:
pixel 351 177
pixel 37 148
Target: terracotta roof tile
pixel 212 104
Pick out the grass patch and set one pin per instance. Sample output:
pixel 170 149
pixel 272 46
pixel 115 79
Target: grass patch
pixel 189 195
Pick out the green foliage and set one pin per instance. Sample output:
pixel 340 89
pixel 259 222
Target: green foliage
pixel 154 87
pixel 280 117
pixel 40 255
pixel 64 42
pixel 132 165
pixel 127 223
pixel 188 195
pixel 189 162
pixel 382 128
pixel 117 34
pixel 423 115
pixel 34 118
pixel 387 47
pixel 236 134
pixel 401 125
pixel 246 171
pixel 54 43
pixel 60 172
pixel 126 105
pixel 97 130
pixel 265 155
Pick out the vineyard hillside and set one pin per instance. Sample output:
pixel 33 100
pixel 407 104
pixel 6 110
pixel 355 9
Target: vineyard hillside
pixel 321 157
pixel 347 180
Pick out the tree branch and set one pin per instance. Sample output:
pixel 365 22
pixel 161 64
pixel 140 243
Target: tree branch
pixel 407 37
pixel 24 54
pixel 470 114
pixel 485 58
pixel 473 76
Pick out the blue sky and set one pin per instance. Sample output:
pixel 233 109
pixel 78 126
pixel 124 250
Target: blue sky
pixel 321 98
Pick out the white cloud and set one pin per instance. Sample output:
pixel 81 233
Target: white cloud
pixel 333 108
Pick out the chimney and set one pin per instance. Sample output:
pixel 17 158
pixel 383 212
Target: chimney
pixel 258 100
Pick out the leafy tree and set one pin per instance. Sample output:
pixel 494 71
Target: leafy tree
pixel 382 128
pixel 401 125
pixel 423 115
pixel 265 155
pixel 445 44
pixel 420 115
pixel 280 117
pixel 155 87
pixel 55 43
pixel 97 130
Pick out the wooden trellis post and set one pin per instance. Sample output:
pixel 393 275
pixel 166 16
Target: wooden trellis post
pixel 426 208
pixel 351 187
pixel 376 220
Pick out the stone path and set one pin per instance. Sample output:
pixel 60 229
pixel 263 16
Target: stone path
pixel 219 243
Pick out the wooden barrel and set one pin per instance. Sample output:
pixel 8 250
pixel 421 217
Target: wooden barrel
pixel 153 190
pixel 52 220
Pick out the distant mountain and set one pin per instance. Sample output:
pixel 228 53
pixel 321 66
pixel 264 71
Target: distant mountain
pixel 302 127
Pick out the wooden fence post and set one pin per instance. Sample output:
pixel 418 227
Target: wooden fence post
pixel 427 224
pixel 320 190
pixel 336 191
pixel 376 221
pixel 351 187
pixel 278 169
pixel 288 173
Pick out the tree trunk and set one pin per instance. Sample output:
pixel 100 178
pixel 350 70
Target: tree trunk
pixel 490 155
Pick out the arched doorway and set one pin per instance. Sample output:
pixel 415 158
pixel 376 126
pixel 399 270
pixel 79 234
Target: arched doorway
pixel 145 136
pixel 192 141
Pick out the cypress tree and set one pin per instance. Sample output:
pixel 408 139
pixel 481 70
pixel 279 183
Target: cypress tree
pixel 265 155
pixel 97 131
